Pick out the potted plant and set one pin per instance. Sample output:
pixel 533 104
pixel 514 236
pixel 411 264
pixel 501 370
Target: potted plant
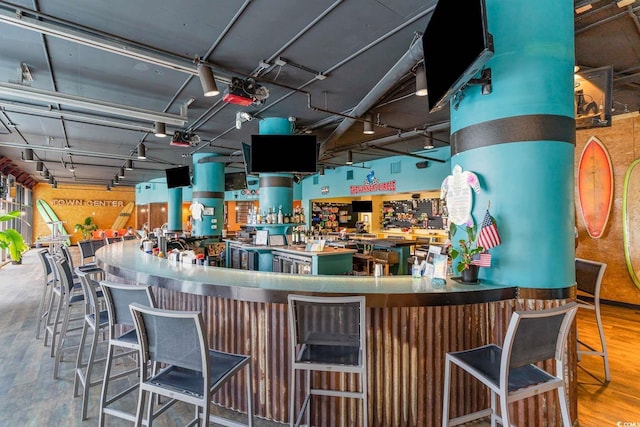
pixel 86 228
pixel 467 250
pixel 11 239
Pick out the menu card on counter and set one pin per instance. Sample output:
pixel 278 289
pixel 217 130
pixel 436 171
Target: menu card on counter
pixel 440 266
pixel 315 245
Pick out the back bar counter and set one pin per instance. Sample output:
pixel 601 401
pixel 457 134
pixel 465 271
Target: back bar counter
pixel 411 324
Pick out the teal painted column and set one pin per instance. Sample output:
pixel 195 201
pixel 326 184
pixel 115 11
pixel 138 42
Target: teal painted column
pixel 276 189
pixel 174 213
pixel 520 142
pixel 208 195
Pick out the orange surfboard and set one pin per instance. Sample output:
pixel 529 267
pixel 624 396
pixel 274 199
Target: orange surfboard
pixel 595 187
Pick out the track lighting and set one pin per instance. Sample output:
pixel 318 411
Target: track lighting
pixel 421 80
pixel 108 187
pixel 142 151
pixel 27 155
pixel 349 157
pixel 55 184
pixel 116 179
pixel 51 179
pixel 45 174
pixel 207 81
pixel 368 125
pixel 72 168
pixel 121 173
pixel 428 145
pixel 160 130
pixel 39 166
pixel 128 165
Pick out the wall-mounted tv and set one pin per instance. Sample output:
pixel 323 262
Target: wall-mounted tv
pixel 283 153
pixel 178 177
pixel 358 206
pixel 593 90
pixel 456 45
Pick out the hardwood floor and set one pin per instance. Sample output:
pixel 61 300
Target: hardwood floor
pixel 616 403
pixel 29 396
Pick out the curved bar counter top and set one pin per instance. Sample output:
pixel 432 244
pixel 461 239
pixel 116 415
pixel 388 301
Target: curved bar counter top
pixel 411 324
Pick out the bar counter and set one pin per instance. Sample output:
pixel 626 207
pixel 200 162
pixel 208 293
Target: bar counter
pixel 411 324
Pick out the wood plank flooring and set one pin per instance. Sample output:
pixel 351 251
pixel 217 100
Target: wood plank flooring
pixel 29 396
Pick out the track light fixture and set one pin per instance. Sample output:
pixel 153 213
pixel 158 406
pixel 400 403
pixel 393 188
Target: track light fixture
pixel 421 80
pixel 27 155
pixel 128 165
pixel 55 184
pixel 207 81
pixel 51 179
pixel 45 174
pixel 160 129
pixel 39 166
pixel 121 173
pixel 116 179
pixel 428 145
pixel 142 151
pixel 349 157
pixel 71 167
pixel 368 125
pixel 108 187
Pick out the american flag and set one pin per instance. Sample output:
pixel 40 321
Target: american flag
pixel 488 235
pixel 482 260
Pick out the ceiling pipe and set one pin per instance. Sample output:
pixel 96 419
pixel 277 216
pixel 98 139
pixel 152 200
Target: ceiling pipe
pixel 21 91
pixel 72 116
pixel 400 69
pixel 75 151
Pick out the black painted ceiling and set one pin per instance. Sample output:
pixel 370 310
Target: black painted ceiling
pixel 324 64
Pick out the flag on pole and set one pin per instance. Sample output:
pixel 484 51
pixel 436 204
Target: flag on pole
pixel 488 235
pixel 482 260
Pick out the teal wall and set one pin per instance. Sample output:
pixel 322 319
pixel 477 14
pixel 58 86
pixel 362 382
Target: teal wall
pixel 408 179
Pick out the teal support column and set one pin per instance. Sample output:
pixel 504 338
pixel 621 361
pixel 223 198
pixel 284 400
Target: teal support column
pixel 520 142
pixel 276 189
pixel 208 195
pixel 174 213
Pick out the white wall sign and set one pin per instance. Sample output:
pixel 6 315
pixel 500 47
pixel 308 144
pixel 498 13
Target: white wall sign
pixel 456 190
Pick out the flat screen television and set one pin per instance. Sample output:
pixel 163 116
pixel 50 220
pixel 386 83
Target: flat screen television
pixel 178 177
pixel 456 45
pixel 283 154
pixel 593 94
pixel 358 206
pixel 235 181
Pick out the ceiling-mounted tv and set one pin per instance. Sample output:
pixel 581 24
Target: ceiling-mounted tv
pixel 358 206
pixel 593 92
pixel 283 153
pixel 178 177
pixel 456 45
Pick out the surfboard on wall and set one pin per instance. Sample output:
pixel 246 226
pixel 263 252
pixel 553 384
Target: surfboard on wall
pixel 595 187
pixel 123 216
pixel 51 219
pixel 630 220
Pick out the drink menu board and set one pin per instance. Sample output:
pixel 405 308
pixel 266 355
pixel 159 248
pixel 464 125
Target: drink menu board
pixel 420 213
